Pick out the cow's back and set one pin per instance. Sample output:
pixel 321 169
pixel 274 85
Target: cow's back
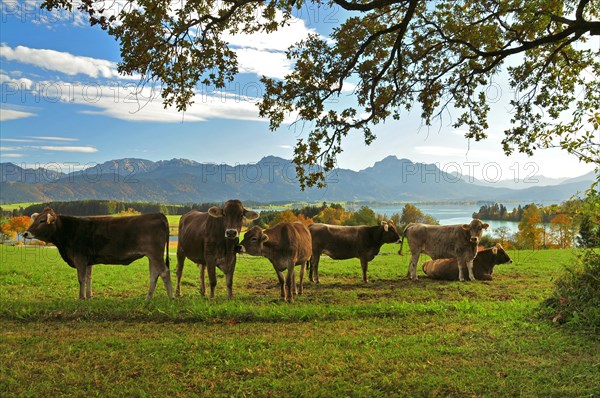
pixel 115 240
pixel 338 242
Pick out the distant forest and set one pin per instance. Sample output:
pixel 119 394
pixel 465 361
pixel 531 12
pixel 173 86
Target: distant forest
pixel 498 211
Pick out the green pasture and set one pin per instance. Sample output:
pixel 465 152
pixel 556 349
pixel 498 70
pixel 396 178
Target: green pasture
pixel 342 338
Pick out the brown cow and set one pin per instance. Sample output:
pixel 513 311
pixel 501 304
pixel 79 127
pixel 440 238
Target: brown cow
pixel 85 241
pixel 210 240
pixel 444 241
pixel 285 245
pixel 483 265
pixel 344 242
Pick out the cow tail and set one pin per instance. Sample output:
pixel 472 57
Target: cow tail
pixel 167 260
pixel 402 239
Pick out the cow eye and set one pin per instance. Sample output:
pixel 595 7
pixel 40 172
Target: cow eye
pixel 254 239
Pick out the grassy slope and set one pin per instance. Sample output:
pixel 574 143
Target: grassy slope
pixel 390 337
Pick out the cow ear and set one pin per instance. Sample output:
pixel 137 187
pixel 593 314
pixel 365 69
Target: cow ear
pixel 466 227
pixel 385 226
pixel 250 215
pixel 485 226
pixel 33 216
pixel 494 250
pixel 264 238
pixel 215 212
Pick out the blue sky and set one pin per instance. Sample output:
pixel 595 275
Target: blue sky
pixel 64 103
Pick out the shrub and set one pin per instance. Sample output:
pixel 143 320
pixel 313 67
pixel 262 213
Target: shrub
pixel 576 298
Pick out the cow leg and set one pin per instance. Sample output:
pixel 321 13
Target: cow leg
pixel 179 272
pixel 314 269
pixel 412 266
pixel 202 268
pixel 281 284
pixel 88 283
pixel 302 267
pixel 154 274
pixel 81 276
pixel 470 268
pixel 165 275
pixel 229 282
pixel 364 264
pixel 212 278
pixel 290 283
pixel 461 264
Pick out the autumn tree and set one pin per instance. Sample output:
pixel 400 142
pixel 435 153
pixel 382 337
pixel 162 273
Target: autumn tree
pixel 18 225
pixel 392 55
pixel 6 232
pixel 531 232
pixel 503 235
pixel 363 216
pixel 561 231
pixel 411 213
pixel 331 215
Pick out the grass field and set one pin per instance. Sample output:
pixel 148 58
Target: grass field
pixel 343 338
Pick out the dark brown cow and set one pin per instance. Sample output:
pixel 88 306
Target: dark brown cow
pixel 210 240
pixel 285 245
pixel 444 241
pixel 344 242
pixel 483 265
pixel 85 241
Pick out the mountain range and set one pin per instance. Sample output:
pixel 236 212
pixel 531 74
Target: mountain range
pixel 272 179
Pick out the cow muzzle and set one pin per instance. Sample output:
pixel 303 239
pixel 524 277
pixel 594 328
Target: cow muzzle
pixel 240 249
pixel 27 235
pixel 474 239
pixel 231 233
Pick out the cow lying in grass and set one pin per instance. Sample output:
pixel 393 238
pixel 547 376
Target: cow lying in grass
pixel 285 245
pixel 483 265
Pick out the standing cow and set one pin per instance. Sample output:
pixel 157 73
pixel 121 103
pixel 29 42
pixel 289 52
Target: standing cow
pixel 344 242
pixel 85 241
pixel 444 241
pixel 210 240
pixel 285 245
pixel 483 265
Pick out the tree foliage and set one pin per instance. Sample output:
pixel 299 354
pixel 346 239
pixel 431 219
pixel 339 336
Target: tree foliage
pixel 393 55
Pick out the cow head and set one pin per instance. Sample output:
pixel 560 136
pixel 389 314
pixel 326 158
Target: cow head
pixel 500 255
pixel 475 230
pixel 390 234
pixel 43 225
pixel 233 214
pixel 253 241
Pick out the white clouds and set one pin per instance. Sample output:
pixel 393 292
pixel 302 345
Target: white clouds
pixel 260 62
pixel 205 107
pixel 12 83
pixel 63 62
pixel 77 149
pixel 12 114
pixel 280 40
pixel 12 155
pixel 54 138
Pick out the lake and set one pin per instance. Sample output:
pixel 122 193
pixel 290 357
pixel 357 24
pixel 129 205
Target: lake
pixel 448 214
